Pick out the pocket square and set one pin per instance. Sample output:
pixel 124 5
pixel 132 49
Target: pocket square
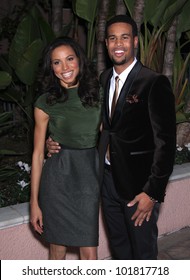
pixel 132 99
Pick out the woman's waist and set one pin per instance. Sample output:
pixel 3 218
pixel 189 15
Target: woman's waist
pixel 73 143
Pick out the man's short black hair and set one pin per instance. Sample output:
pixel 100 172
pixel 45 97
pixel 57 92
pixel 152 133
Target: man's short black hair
pixel 122 18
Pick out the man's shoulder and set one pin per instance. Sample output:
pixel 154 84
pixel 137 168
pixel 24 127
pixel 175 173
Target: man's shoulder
pixel 105 75
pixel 151 71
pixel 150 74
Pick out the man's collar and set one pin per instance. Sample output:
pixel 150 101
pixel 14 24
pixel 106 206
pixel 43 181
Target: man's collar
pixel 126 72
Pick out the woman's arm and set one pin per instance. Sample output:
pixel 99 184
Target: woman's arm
pixel 41 122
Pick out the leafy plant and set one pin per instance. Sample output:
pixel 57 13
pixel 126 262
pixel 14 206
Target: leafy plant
pixel 87 10
pixel 182 154
pixel 17 82
pixel 158 18
pixel 17 187
pixel 180 85
pixel 6 122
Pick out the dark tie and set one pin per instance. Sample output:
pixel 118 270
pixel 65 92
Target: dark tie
pixel 115 96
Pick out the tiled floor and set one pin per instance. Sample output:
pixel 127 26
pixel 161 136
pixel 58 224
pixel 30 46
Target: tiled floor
pixel 175 246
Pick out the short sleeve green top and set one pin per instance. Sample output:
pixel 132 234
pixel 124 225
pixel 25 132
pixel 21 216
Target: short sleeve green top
pixel 70 123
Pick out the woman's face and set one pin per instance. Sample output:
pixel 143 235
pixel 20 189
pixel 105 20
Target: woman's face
pixel 65 65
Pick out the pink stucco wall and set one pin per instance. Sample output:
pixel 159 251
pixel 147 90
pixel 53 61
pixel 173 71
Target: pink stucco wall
pixel 20 243
pixel 175 212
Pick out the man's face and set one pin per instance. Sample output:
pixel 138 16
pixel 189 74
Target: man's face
pixel 121 45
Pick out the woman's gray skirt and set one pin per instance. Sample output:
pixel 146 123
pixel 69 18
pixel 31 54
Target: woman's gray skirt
pixel 69 198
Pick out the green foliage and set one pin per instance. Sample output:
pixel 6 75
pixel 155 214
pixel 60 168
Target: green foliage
pixel 26 62
pixel 158 17
pixel 19 69
pixel 25 50
pixel 182 154
pixel 10 22
pixel 15 181
pixel 130 5
pixel 181 87
pixel 87 10
pixel 6 122
pixel 5 79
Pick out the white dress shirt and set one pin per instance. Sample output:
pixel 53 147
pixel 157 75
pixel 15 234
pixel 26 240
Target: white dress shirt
pixel 122 78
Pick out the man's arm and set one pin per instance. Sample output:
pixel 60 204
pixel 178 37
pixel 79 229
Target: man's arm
pixel 162 115
pixel 163 121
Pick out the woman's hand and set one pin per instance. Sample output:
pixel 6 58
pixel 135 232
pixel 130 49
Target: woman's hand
pixel 36 218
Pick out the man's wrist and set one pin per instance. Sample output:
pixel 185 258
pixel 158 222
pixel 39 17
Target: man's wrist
pixel 153 199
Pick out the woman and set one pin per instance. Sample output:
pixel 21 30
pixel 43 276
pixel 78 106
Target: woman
pixel 65 190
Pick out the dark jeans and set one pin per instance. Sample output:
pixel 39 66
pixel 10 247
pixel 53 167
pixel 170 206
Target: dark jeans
pixel 127 242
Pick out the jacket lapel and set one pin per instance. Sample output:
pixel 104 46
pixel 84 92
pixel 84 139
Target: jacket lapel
pixel 107 101
pixel 105 81
pixel 124 92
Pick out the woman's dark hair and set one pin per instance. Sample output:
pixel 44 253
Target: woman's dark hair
pixel 88 89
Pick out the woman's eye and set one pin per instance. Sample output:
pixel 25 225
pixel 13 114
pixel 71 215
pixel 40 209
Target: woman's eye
pixel 55 62
pixel 70 58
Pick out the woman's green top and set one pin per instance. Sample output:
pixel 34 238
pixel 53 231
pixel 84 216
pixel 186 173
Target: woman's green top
pixel 70 123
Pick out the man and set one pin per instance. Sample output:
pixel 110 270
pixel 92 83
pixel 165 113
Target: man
pixel 137 145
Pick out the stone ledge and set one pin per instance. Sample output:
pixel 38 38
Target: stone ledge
pixel 180 172
pixel 18 214
pixel 14 215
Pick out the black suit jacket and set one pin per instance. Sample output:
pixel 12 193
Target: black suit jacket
pixel 142 133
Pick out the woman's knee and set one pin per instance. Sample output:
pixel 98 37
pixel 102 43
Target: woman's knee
pixel 88 253
pixel 57 252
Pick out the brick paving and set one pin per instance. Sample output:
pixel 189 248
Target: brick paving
pixel 175 246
